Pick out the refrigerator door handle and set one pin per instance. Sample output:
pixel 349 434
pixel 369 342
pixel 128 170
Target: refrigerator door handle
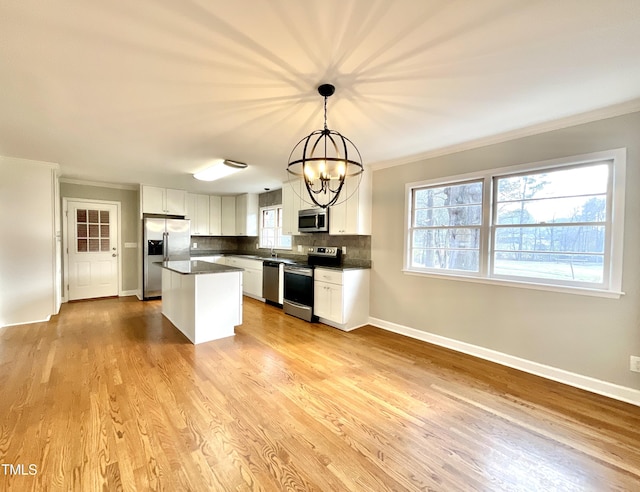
pixel 165 252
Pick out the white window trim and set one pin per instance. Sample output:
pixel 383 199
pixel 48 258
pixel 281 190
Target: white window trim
pixel 617 189
pixel 260 245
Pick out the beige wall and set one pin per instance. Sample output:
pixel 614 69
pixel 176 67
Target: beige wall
pixel 589 336
pixel 129 227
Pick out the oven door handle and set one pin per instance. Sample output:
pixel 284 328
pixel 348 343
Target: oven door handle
pixel 297 304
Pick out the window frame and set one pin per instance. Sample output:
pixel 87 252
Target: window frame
pixel 614 226
pixel 261 245
pixel 479 227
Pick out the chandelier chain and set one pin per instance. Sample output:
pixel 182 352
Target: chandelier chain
pixel 325 113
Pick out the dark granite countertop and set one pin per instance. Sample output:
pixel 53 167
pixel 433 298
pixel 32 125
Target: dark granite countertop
pixel 347 264
pixel 195 267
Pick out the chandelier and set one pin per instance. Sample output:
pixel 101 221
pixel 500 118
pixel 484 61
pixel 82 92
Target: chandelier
pixel 324 159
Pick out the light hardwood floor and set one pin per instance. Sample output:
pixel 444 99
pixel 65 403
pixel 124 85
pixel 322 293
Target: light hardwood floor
pixel 110 396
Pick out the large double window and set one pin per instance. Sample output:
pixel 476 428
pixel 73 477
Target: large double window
pixel 556 223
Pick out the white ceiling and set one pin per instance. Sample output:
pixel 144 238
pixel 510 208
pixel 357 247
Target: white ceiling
pixel 149 91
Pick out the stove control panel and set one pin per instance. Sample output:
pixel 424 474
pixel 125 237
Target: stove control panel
pixel 324 251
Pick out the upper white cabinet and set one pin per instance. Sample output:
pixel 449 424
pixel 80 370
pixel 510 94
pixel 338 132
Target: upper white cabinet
pixel 353 216
pixel 228 215
pixel 290 206
pixel 247 214
pixel 164 201
pixel 215 215
pixel 198 212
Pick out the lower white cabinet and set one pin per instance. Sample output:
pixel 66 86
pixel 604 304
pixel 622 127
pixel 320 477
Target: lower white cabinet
pixel 210 259
pixel 328 302
pixel 341 297
pixel 251 276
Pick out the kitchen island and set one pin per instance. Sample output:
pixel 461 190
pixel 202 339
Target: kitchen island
pixel 203 300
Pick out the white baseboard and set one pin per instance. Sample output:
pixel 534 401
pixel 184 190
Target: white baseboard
pixel 617 392
pixel 126 293
pixel 45 320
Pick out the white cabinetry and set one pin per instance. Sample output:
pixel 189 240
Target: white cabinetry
pixel 228 216
pixel 251 276
pixel 198 213
pixel 210 259
pixel 353 216
pixel 291 204
pixel 341 297
pixel 215 216
pixel 247 215
pixel 164 201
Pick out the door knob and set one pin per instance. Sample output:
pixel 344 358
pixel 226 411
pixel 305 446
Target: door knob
pixel 114 255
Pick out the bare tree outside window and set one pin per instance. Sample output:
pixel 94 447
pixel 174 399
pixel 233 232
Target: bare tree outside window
pixel 446 227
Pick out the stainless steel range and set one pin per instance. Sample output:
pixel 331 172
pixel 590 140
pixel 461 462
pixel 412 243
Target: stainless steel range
pixel 298 280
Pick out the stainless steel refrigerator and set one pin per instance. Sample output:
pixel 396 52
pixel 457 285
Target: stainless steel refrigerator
pixel 163 239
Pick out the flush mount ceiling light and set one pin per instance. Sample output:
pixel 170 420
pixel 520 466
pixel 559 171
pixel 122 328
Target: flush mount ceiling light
pixel 220 169
pixel 324 159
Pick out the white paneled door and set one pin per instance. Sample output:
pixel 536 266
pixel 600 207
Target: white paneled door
pixel 93 249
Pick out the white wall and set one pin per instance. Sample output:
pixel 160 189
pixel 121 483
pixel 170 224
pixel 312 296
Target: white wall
pixel 585 336
pixel 27 241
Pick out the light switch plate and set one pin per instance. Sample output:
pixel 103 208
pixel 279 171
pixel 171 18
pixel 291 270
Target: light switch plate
pixel 130 245
pixel 195 246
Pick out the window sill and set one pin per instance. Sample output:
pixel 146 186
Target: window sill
pixel 609 294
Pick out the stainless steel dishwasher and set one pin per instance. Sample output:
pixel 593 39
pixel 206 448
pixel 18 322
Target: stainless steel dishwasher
pixel 271 282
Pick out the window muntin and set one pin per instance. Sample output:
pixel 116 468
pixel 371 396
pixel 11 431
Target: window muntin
pixel 92 231
pixel 554 225
pixel 271 229
pixel 445 227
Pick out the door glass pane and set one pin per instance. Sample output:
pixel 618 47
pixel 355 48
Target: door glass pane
pixel 104 231
pixel 82 230
pixel 93 216
pixel 82 245
pixel 81 215
pixel 94 230
pixel 105 244
pixel 94 245
pixel 104 216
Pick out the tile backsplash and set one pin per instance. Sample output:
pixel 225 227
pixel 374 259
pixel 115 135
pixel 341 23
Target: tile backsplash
pixel 214 243
pixel 358 247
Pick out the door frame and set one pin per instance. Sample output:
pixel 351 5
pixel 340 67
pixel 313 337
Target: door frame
pixel 65 235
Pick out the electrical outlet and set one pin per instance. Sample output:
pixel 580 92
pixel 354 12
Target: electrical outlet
pixel 299 248
pixel 344 250
pixel 634 363
pixel 195 246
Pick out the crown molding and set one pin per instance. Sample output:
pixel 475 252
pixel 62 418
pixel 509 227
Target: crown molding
pixel 578 119
pixel 99 184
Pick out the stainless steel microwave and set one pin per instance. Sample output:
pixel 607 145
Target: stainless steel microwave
pixel 313 220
